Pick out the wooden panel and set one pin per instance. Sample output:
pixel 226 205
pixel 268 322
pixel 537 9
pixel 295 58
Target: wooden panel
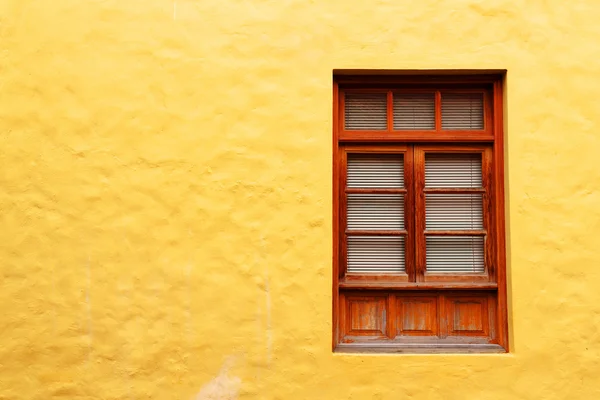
pixel 366 315
pixel 417 316
pixel 467 316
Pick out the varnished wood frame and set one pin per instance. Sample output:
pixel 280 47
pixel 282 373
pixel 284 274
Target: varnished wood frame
pixel 408 234
pixel 485 152
pixel 415 79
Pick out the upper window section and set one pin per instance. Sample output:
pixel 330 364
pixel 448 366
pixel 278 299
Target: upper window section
pixel 456 112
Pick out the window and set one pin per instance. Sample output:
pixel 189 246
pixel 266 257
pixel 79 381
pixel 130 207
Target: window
pixel 419 254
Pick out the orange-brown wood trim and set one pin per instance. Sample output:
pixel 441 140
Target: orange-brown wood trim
pixel 376 149
pixel 488 214
pixel 419 213
pixel 366 284
pixel 451 149
pixel 390 111
pixel 415 136
pixel 343 213
pixel 438 111
pixel 409 221
pixel 436 79
pixel 500 207
pixel 335 215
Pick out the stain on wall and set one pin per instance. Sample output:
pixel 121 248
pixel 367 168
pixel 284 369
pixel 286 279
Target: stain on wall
pixel 222 387
pixel 165 196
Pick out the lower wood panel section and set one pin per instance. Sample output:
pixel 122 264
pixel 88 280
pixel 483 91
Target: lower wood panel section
pixel 417 315
pixel 424 319
pixel 467 315
pixel 365 315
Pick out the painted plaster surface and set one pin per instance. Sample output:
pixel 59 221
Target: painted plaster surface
pixel 165 202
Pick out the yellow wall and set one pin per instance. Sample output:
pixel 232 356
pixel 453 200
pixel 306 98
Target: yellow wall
pixel 165 198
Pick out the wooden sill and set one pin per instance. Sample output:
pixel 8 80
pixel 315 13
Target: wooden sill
pixel 377 285
pixel 419 348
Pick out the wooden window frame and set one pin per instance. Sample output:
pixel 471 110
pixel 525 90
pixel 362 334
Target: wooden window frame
pixel 488 289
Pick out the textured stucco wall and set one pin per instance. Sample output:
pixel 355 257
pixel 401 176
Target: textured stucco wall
pixel 166 196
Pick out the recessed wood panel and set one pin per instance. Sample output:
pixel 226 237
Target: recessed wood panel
pixel 366 315
pixel 467 316
pixel 417 316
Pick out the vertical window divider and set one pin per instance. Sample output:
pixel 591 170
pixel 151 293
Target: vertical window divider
pixel 488 213
pixel 343 264
pixel 419 215
pixel 438 111
pixel 390 111
pixel 409 219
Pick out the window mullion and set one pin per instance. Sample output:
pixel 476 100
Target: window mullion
pixel 419 214
pixel 438 110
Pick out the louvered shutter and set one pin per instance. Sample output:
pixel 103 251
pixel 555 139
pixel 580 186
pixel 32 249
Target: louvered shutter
pixel 462 111
pixel 365 111
pixel 372 212
pixel 447 212
pixel 414 111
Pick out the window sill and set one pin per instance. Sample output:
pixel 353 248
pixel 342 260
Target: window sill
pixel 378 285
pixel 419 348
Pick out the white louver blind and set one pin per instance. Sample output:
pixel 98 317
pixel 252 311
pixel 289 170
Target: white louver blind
pixel 454 212
pixel 365 111
pixel 453 171
pixel 462 111
pixel 414 111
pixel 455 254
pixel 373 212
pixel 375 171
pixel 376 212
pixel 448 212
pixel 375 254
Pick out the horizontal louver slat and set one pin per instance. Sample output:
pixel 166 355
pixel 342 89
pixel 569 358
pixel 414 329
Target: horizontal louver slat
pixel 462 111
pixel 453 254
pixel 375 171
pixel 376 211
pixel 453 171
pixel 453 211
pixel 414 111
pixel 365 111
pixel 376 254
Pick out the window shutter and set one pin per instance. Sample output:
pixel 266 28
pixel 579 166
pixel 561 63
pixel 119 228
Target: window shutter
pixel 365 111
pixel 454 212
pixel 372 212
pixel 414 111
pixel 462 111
